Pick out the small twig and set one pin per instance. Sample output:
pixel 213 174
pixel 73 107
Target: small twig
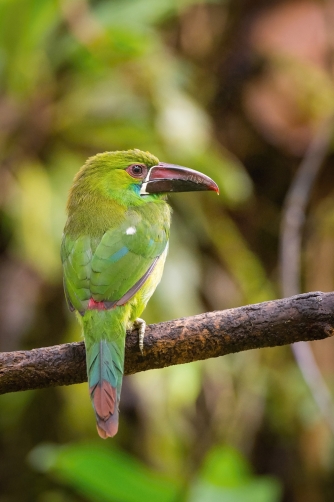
pixel 295 204
pixel 293 220
pixel 269 324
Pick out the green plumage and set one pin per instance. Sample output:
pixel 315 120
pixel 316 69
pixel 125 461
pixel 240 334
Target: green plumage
pixel 111 239
pixel 113 253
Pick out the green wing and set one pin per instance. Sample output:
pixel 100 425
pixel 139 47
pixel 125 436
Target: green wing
pixel 107 269
pixel 76 255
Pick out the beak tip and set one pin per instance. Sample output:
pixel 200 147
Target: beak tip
pixel 215 188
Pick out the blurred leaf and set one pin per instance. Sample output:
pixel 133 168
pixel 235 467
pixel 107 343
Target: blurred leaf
pixel 226 477
pixel 225 466
pixel 32 210
pixel 27 64
pixel 263 490
pixel 103 474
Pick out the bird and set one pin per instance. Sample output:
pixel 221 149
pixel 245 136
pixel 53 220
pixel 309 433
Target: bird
pixel 113 252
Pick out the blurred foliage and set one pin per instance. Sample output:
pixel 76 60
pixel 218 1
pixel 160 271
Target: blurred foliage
pixel 106 474
pixel 103 474
pixel 226 477
pixel 236 90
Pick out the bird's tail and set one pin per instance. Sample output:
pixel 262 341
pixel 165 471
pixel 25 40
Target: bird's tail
pixel 104 334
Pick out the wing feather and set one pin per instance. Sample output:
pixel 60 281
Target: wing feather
pixel 114 267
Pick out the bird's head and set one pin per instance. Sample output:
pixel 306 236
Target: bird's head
pixel 139 172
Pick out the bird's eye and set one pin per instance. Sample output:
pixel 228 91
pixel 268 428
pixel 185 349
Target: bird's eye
pixel 137 170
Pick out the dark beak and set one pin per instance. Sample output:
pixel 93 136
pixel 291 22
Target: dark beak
pixel 171 178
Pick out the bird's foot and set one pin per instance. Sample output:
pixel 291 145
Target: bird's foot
pixel 140 324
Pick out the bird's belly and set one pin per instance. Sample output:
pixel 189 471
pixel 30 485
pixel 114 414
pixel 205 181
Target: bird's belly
pixel 139 301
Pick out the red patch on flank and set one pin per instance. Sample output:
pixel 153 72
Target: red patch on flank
pixel 92 304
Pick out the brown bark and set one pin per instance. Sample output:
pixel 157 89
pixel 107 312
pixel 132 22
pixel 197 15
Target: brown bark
pixel 299 318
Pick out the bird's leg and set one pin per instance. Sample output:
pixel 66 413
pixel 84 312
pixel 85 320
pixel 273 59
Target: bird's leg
pixel 140 324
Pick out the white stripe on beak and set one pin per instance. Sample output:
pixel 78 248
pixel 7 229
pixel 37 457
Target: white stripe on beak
pixel 144 184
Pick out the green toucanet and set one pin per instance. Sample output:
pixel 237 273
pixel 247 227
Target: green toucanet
pixel 113 252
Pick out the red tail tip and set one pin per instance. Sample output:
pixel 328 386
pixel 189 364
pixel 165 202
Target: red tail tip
pixel 108 430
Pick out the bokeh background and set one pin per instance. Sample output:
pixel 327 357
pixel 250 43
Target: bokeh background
pixel 238 90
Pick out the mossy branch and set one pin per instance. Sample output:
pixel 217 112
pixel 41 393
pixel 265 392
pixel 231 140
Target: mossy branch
pixel 298 318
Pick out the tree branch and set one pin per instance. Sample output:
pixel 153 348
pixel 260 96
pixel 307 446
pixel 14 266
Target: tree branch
pixel 304 317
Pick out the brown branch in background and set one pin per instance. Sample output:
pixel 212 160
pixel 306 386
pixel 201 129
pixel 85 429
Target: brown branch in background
pixel 292 225
pixel 269 324
pixel 296 201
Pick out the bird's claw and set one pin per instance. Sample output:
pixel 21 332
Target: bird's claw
pixel 140 324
